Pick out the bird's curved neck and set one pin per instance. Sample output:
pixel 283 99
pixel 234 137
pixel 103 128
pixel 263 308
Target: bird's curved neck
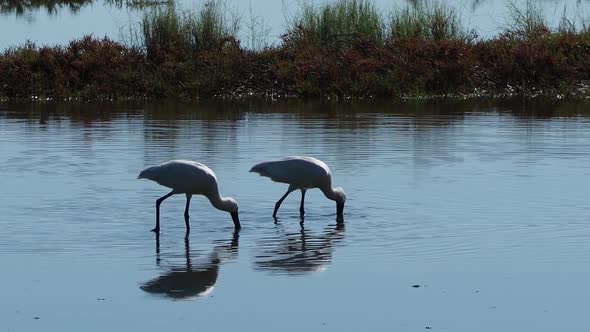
pixel 330 193
pixel 219 202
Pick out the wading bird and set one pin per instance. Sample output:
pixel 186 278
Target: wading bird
pixel 189 178
pixel 302 173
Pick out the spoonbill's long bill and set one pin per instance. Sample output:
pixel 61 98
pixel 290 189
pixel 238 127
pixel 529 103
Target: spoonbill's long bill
pixel 189 178
pixel 302 173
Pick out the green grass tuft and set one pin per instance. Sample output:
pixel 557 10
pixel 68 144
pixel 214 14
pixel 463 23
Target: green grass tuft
pixel 167 30
pixel 340 21
pixel 428 20
pixel 526 23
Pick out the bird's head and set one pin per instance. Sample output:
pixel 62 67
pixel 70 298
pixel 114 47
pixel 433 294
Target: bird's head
pixel 231 206
pixel 150 173
pixel 340 199
pixel 340 195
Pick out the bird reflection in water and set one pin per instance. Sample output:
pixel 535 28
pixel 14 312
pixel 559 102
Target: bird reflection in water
pixel 299 253
pixel 183 282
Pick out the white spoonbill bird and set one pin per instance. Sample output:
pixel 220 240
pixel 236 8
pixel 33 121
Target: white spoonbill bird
pixel 302 173
pixel 189 178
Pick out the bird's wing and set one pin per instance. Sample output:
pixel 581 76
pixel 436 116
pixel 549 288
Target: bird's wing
pixel 297 171
pixel 187 176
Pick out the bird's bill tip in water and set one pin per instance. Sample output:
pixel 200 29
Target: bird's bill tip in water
pixel 236 219
pixel 340 209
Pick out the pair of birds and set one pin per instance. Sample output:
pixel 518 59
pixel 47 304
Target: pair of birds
pixel 193 178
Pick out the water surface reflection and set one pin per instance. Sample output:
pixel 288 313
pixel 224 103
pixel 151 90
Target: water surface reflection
pixel 190 279
pixel 20 7
pixel 484 203
pixel 53 7
pixel 298 253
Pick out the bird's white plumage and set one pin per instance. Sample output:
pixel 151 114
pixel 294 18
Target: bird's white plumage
pixel 298 171
pixel 190 178
pixel 303 173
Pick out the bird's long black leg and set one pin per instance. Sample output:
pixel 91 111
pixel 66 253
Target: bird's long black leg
pixel 278 204
pixel 158 202
pixel 157 249
pixel 186 216
pixel 187 251
pixel 301 207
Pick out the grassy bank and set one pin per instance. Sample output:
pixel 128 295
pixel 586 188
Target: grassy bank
pixel 346 49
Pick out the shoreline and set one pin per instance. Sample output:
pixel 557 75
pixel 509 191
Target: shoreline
pixel 345 50
pixel 92 69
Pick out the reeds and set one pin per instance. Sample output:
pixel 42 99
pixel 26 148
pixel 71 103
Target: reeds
pixel 341 20
pixel 527 22
pixel 166 31
pixel 428 20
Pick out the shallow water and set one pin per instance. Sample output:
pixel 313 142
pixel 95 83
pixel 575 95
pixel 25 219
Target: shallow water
pixel 100 18
pixel 483 205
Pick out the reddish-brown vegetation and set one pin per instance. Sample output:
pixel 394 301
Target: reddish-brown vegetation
pixel 101 69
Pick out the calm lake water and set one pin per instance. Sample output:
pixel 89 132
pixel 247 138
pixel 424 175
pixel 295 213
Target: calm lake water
pixel 99 18
pixel 482 205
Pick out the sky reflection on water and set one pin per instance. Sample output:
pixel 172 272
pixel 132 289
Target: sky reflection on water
pixel 483 204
